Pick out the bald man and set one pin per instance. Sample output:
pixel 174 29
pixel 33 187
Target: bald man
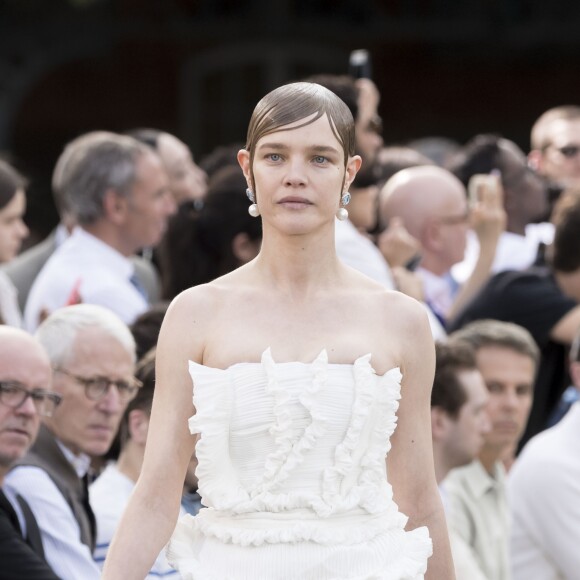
pixel 432 204
pixel 25 379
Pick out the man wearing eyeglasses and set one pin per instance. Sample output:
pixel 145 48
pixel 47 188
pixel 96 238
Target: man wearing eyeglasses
pixel 24 397
pixel 432 204
pixel 92 354
pixel 555 144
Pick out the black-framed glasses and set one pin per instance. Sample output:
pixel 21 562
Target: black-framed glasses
pixel 97 387
pixel 13 394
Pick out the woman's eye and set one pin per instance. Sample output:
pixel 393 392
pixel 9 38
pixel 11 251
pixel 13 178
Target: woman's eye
pixel 320 159
pixel 274 157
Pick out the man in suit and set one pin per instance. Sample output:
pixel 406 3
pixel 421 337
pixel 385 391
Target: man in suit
pixel 25 379
pixel 92 354
pixel 24 269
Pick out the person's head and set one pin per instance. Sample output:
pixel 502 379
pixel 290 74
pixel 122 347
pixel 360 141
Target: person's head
pixel 12 208
pixel 135 422
pixel 437 149
pixel 362 99
pixel 92 353
pixel 202 245
pixel 186 180
pixel 507 357
pixel 432 204
pixel 395 158
pixel 25 393
pixel 66 163
pixel 362 209
pixel 459 399
pixel 116 188
pixel 563 254
pixel 575 361
pixel 145 329
pixel 524 192
pixel 299 156
pixel 555 145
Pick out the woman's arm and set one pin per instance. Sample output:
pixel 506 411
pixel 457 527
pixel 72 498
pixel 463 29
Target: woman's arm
pixel 410 461
pixel 152 512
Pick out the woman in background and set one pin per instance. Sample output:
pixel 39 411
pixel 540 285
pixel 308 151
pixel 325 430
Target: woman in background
pixel 12 233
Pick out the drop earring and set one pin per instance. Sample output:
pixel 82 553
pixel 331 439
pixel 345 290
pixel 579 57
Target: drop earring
pixel 253 210
pixel 342 212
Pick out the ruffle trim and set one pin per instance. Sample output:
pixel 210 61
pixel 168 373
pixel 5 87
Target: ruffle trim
pixel 414 548
pixel 212 400
pixel 222 490
pixel 290 451
pixel 370 491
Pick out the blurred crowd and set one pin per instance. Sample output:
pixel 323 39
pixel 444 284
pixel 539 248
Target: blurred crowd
pixel 485 235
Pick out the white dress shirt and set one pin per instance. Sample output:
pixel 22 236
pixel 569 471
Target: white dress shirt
pixel 358 252
pixel 9 309
pixel 478 520
pixel 544 486
pixel 65 553
pixel 85 269
pixel 513 252
pixel 109 496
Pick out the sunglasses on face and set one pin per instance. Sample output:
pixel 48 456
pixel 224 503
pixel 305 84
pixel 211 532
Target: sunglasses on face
pixel 567 151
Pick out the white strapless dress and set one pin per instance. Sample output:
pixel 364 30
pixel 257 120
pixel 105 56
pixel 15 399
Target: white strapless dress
pixel 292 471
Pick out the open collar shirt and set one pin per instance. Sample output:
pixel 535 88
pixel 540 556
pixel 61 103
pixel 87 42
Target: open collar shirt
pixel 477 513
pixel 84 269
pixel 544 486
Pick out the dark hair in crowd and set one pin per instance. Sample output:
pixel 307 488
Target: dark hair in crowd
pixel 341 85
pixel 448 393
pixel 481 154
pixel 198 246
pixel 145 329
pixel 10 182
pixel 149 137
pixel 143 400
pixel 564 254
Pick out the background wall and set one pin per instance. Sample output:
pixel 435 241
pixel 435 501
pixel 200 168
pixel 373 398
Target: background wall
pixel 197 67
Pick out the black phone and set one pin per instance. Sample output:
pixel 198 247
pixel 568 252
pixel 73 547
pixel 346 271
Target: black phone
pixel 359 64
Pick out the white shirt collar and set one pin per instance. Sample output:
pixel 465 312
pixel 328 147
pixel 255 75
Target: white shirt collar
pixel 81 462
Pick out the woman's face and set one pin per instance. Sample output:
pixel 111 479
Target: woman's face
pixel 12 228
pixel 299 175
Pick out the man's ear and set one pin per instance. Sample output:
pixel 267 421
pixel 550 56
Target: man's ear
pixel 115 207
pixel 431 235
pixel 138 422
pixel 535 158
pixel 439 423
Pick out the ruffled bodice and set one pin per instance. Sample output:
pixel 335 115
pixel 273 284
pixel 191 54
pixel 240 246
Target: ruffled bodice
pixel 294 453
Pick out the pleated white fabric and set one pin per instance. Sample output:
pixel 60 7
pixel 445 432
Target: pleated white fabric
pixel 291 467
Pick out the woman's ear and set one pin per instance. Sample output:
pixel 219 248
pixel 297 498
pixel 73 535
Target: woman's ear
pixel 244 161
pixel 352 166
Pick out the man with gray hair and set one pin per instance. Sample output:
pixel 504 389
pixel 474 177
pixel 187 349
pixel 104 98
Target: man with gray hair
pixel 92 353
pixel 116 190
pixel 477 512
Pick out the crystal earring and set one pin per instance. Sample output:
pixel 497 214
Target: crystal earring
pixel 341 212
pixel 253 210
